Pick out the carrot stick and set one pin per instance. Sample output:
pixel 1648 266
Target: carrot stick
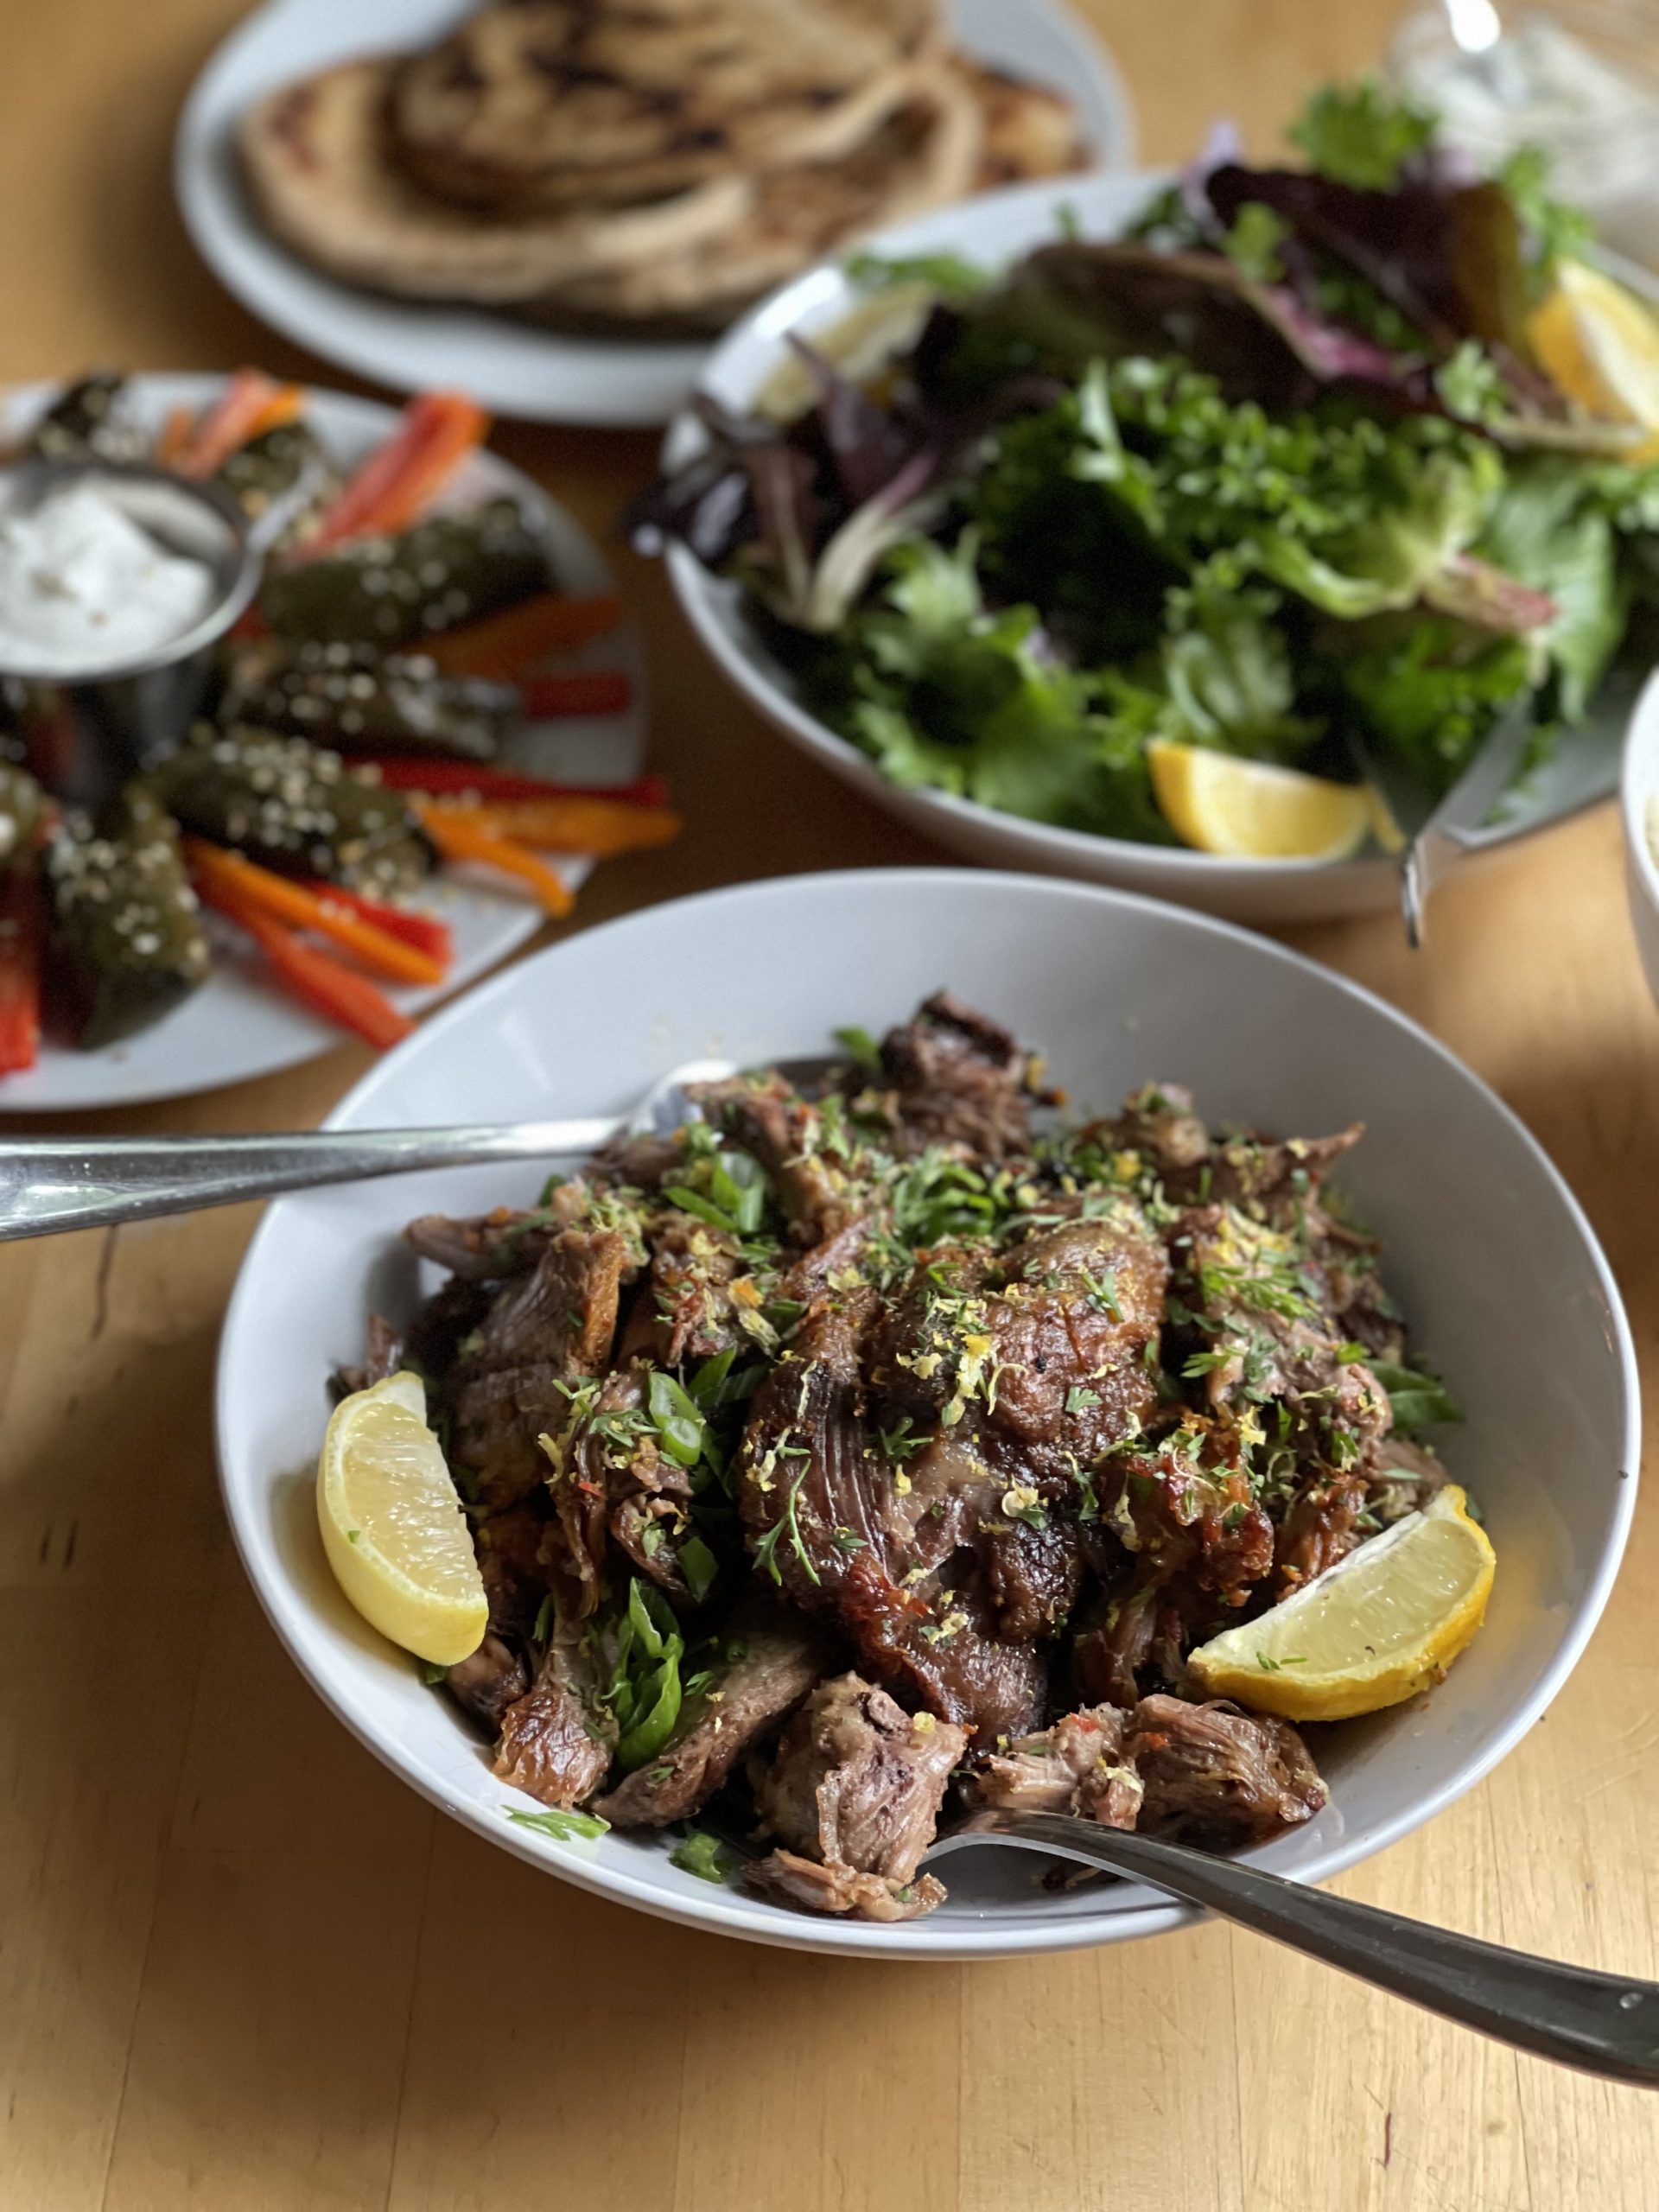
pixel 424 932
pixel 438 430
pixel 325 984
pixel 250 404
pixel 419 772
pixel 22 942
pixel 581 824
pixel 219 874
pixel 500 646
pixel 577 691
pixel 460 836
pixel 175 436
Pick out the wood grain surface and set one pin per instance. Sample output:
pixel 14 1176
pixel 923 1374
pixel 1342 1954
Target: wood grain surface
pixel 243 1968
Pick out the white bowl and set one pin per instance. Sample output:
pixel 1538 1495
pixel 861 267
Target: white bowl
pixel 995 229
pixel 1486 1248
pixel 1639 791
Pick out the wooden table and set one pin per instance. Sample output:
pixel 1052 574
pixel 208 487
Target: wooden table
pixel 241 1966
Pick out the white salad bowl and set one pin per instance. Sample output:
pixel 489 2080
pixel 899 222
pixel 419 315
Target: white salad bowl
pixel 992 231
pixel 1639 803
pixel 1486 1248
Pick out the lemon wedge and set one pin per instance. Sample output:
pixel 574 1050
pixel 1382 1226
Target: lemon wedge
pixel 393 1525
pixel 1600 344
pixel 1376 1628
pixel 1250 810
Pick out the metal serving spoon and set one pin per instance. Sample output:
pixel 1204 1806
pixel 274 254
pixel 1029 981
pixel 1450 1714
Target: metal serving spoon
pixel 1601 2023
pixel 51 1183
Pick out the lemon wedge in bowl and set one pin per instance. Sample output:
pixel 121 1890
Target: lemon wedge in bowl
pixel 1600 344
pixel 1373 1631
pixel 1250 810
pixel 392 1524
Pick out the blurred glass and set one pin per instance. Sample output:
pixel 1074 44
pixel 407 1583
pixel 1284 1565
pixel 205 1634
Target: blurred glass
pixel 1581 81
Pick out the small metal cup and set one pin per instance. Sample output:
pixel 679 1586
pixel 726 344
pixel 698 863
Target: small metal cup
pixel 86 735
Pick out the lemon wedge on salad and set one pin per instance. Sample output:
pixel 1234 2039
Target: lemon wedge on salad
pixel 1250 810
pixel 1373 1631
pixel 1600 344
pixel 392 1524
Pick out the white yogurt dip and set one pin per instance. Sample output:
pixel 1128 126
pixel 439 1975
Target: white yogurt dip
pixel 82 588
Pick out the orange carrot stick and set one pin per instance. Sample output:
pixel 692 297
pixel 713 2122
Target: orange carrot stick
pixel 250 404
pixel 175 436
pixel 438 430
pixel 215 870
pixel 603 827
pixel 463 834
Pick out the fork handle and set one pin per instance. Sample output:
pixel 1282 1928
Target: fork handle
pixel 51 1183
pixel 1601 2023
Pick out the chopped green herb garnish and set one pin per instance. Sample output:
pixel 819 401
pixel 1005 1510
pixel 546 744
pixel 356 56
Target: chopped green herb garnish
pixel 704 1855
pixel 563 1827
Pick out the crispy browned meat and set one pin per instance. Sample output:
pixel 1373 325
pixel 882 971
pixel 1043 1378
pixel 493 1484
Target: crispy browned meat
pixel 1217 1776
pixel 556 1741
pixel 1077 1766
pixel 785 1877
pixel 684 1310
pixel 856 1782
pixel 608 1481
pixel 777 1658
pixel 544 1330
pixel 492 1678
pixel 786 1135
pixel 508 1242
pixel 957 1080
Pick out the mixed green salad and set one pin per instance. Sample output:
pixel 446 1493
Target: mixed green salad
pixel 1310 467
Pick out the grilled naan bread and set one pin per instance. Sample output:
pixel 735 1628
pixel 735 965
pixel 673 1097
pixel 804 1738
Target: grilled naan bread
pixel 316 160
pixel 925 155
pixel 551 103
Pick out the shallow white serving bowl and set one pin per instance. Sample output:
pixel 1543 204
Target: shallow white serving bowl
pixel 1638 793
pixel 1486 1247
pixel 993 230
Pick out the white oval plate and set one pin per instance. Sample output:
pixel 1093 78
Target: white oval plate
pixel 996 229
pixel 1486 1249
pixel 238 1024
pixel 511 367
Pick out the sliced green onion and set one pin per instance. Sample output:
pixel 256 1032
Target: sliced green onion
pixel 678 1423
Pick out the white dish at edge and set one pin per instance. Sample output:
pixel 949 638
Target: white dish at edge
pixel 239 1024
pixel 1639 805
pixel 511 367
pixel 1485 1247
pixel 994 230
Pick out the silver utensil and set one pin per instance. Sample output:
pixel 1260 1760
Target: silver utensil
pixel 1601 2023
pixel 1439 835
pixel 52 1184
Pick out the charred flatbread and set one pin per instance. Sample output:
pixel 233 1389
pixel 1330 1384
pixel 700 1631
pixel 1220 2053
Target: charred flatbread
pixel 316 160
pixel 554 103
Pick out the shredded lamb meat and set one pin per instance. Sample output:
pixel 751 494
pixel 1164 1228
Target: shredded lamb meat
pixel 856 1455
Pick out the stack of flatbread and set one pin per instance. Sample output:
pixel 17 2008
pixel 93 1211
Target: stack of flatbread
pixel 651 165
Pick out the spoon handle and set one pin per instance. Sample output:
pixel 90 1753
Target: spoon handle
pixel 1604 2023
pixel 51 1183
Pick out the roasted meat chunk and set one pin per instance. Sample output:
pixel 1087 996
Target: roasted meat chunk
pixel 1216 1775
pixel 556 1740
pixel 1077 1766
pixel 856 1780
pixel 770 1660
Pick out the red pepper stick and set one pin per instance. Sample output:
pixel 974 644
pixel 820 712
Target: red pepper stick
pixel 575 691
pixel 23 944
pixel 415 772
pixel 424 932
pixel 323 983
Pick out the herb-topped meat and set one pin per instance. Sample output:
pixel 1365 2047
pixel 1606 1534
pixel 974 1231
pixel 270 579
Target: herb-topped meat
pixel 910 1377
